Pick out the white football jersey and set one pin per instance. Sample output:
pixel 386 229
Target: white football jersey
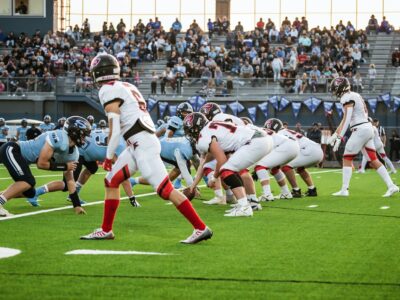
pixel 301 139
pixel 133 107
pixel 360 112
pixel 228 118
pixel 229 136
pixel 278 139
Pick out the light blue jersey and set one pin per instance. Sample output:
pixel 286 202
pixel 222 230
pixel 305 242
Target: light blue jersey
pixel 177 124
pixel 47 127
pixel 3 137
pixel 57 139
pixel 22 133
pixel 95 147
pixel 169 145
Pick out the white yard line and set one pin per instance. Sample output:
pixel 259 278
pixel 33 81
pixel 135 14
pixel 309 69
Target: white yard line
pixel 102 201
pixel 112 252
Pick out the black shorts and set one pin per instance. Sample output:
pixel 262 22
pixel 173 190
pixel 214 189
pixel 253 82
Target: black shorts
pixel 17 166
pixel 91 166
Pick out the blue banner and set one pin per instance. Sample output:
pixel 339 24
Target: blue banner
pixel 328 107
pixel 252 113
pixel 283 103
pixel 236 107
pixel 162 107
pixel 386 98
pixel 223 107
pixel 296 108
pixel 151 103
pixel 197 102
pixel 339 108
pixel 396 104
pixel 372 104
pixel 172 110
pixel 312 103
pixel 274 101
pixel 264 108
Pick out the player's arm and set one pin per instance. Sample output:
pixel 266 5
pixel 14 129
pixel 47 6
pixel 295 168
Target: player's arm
pixel 336 138
pixel 114 115
pixel 161 132
pixel 199 173
pixel 73 195
pixel 218 154
pixel 47 162
pixel 182 164
pixel 170 131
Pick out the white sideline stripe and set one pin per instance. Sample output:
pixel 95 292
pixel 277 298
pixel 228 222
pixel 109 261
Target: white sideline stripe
pixel 312 206
pixel 102 201
pixel 8 252
pixel 385 207
pixel 112 252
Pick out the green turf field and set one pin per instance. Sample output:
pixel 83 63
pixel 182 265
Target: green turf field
pixel 341 248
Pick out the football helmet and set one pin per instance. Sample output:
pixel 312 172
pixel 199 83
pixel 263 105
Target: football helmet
pixel 105 67
pixel 2 122
pixel 246 120
pixel 47 119
pixel 273 124
pixel 210 110
pixel 78 129
pixel 90 118
pixel 183 110
pixel 102 124
pixel 193 124
pixel 340 86
pixel 24 122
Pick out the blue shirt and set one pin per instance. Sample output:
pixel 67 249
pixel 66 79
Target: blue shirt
pixel 22 133
pixel 57 139
pixel 3 137
pixel 169 145
pixel 47 127
pixel 176 124
pixel 95 147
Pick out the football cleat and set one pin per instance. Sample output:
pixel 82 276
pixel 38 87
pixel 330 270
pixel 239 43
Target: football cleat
pixel 178 183
pixel 255 205
pixel 391 191
pixel 240 211
pixel 312 192
pixel 264 197
pixel 99 234
pixel 231 199
pixel 216 200
pixel 132 181
pixel 341 193
pixel 296 193
pixel 33 201
pixel 4 212
pixel 360 171
pixel 198 236
pixel 284 196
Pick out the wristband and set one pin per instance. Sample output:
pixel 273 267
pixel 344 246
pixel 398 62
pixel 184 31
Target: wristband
pixel 75 199
pixel 57 166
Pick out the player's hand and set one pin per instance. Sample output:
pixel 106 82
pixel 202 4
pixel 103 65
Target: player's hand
pixel 211 182
pixel 71 165
pixel 79 210
pixel 134 202
pixel 336 144
pixel 107 164
pixel 332 139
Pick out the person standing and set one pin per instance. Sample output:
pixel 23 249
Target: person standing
pixel 372 75
pixel 21 131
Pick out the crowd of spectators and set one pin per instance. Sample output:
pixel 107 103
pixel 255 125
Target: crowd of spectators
pixel 299 58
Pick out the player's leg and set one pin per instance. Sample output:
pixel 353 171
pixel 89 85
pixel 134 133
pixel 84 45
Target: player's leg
pixel 263 176
pixel 386 159
pixel 217 187
pixel 305 175
pixel 291 177
pixel 363 164
pixel 249 185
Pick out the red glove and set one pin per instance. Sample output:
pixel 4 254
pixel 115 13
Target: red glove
pixel 107 164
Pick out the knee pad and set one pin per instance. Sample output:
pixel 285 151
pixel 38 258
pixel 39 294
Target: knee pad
pixel 207 171
pixel 30 193
pixel 244 171
pixel 286 168
pixel 275 170
pixel 165 188
pixel 371 154
pixel 300 169
pixel 231 179
pixel 279 175
pixel 262 173
pixel 349 157
pixel 117 178
pixel 92 167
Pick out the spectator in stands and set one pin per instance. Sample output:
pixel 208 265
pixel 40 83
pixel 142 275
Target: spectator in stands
pixel 121 25
pixel 177 26
pixel 297 85
pixel 218 75
pixel 257 77
pixel 356 55
pixel 394 146
pixel 153 84
pixel 21 9
pixel 299 129
pixel 385 26
pixel 304 83
pixel 315 133
pixel 86 29
pixel 372 25
pixel 274 35
pixel 2 38
pixel 277 67
pixel 11 39
pixel 315 75
pixel 225 24
pixel 357 82
pixel 260 25
pixel 396 58
pixel 239 27
pixel 246 71
pixel 269 25
pixel 304 43
pixel 372 73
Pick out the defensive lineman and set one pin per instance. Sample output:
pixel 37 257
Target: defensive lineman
pixel 355 115
pixel 128 116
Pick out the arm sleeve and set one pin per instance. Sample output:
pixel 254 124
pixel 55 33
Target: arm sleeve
pixel 115 134
pixel 346 123
pixel 182 164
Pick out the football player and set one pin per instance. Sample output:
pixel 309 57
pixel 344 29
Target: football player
pixel 54 151
pixel 21 131
pixel 380 149
pixel 90 118
pixel 310 154
pixel 355 116
pixel 47 125
pixel 128 117
pixel 3 132
pixel 285 150
pixel 214 139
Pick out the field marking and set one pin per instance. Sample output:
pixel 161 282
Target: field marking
pixel 112 252
pixel 312 206
pixel 385 207
pixel 8 252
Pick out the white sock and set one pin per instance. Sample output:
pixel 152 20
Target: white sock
pixel 137 180
pixel 389 163
pixel 46 189
pixel 385 176
pixel 346 173
pixel 311 187
pixel 285 189
pixel 243 201
pixel 218 193
pixel 252 197
pixel 363 163
pixel 266 189
pixel 229 192
pixel 3 200
pixel 78 184
pixel 296 188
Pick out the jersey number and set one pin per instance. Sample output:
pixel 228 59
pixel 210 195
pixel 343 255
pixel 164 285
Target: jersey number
pixel 231 127
pixel 137 96
pixel 296 134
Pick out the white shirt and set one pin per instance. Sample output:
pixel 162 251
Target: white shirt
pixel 301 139
pixel 360 112
pixel 228 118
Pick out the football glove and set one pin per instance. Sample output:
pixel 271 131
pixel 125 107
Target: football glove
pixel 107 164
pixel 133 201
pixel 332 138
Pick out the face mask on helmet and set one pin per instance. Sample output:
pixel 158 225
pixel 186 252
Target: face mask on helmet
pixel 193 124
pixel 210 110
pixel 77 129
pixel 183 110
pixel 105 67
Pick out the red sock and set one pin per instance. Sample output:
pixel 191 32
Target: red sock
pixel 191 215
pixel 110 208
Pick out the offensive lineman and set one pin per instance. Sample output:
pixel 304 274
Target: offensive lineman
pixel 128 117
pixel 355 115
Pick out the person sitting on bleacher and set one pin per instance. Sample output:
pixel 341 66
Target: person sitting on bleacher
pixel 385 26
pixel 372 24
